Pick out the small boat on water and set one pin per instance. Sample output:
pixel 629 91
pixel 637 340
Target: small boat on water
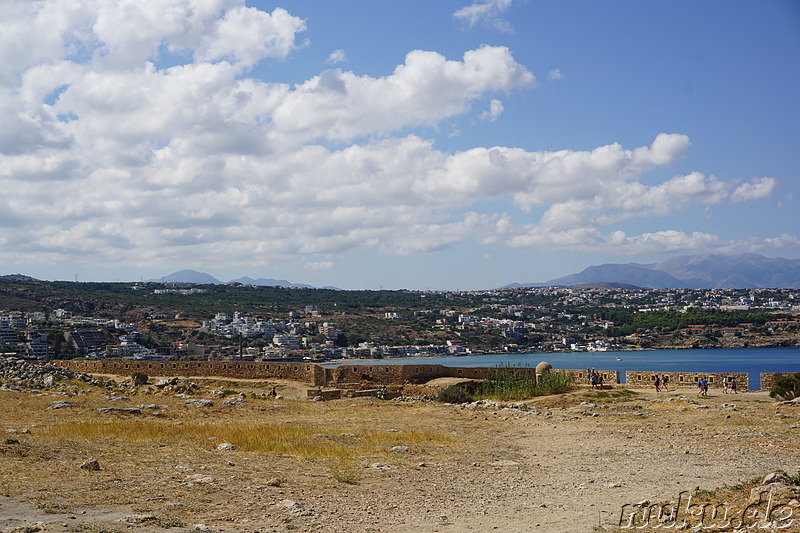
pixel 619 358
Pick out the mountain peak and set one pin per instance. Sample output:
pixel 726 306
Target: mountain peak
pixel 701 271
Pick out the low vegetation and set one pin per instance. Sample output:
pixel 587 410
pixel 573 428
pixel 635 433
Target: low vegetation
pixel 510 383
pixel 786 387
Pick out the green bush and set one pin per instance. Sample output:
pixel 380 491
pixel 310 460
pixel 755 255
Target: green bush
pixel 140 378
pixel 786 387
pixel 455 394
pixel 510 383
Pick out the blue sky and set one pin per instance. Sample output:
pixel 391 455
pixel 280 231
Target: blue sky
pixel 441 145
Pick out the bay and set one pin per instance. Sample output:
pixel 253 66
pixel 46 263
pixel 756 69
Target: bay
pixel 753 361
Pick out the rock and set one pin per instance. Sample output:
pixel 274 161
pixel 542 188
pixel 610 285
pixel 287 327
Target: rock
pixel 92 465
pixel 200 402
pixel 399 449
pixel 296 508
pixel 776 477
pixel 123 410
pixel 25 529
pixel 274 482
pixel 204 479
pixel 317 399
pixel 60 404
pixel 226 446
pixel 201 527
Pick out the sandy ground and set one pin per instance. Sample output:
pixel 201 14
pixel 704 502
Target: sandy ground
pixel 566 463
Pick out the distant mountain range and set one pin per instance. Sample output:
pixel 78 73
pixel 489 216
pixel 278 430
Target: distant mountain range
pixel 743 271
pixel 201 278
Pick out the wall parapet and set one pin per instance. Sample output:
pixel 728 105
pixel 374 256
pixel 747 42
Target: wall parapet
pixel 304 372
pixel 768 379
pixel 319 376
pixel 646 379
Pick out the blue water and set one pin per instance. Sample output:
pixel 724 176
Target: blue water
pixel 750 360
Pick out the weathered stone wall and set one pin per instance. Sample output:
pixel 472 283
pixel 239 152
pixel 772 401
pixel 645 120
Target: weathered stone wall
pixel 645 379
pixel 768 379
pixel 610 377
pixel 303 372
pixel 320 376
pixel 399 374
pixel 309 373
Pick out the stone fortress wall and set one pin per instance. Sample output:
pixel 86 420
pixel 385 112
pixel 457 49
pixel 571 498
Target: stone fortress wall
pixel 768 379
pixel 355 375
pixel 646 379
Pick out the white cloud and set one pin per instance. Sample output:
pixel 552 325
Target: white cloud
pixel 494 111
pixel 486 12
pixel 107 158
pixel 246 35
pixel 341 106
pixel 319 265
pixel 555 75
pixel 337 56
pixel 756 189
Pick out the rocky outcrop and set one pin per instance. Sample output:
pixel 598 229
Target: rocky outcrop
pixel 19 374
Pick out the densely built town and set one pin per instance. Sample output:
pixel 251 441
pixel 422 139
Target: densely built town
pixel 394 324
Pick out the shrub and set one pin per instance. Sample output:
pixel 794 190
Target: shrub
pixel 786 387
pixel 140 378
pixel 510 383
pixel 455 394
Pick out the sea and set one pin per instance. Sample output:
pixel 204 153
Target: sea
pixel 750 360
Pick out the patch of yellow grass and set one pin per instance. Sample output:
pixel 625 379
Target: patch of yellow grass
pixel 299 440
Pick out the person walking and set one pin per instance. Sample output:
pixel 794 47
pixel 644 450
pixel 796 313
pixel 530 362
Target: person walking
pixel 657 383
pixel 664 381
pixel 725 385
pixel 733 386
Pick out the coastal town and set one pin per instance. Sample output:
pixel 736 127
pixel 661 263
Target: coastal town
pixel 37 322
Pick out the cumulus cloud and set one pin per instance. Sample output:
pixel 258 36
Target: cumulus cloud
pixel 109 157
pixel 494 111
pixel 486 12
pixel 337 56
pixel 555 75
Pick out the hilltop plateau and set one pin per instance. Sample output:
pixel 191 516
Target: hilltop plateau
pixel 222 456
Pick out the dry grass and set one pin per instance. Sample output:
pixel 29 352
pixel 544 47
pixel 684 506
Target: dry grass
pixel 147 460
pixel 319 441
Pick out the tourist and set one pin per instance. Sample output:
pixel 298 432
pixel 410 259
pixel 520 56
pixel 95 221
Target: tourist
pixel 657 382
pixel 273 392
pixel 702 385
pixel 725 385
pixel 733 386
pixel 664 381
pixel 384 393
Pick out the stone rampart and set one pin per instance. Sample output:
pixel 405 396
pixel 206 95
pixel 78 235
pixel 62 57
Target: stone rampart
pixel 581 377
pixel 646 379
pixel 348 376
pixel 309 373
pixel 304 372
pixel 768 379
